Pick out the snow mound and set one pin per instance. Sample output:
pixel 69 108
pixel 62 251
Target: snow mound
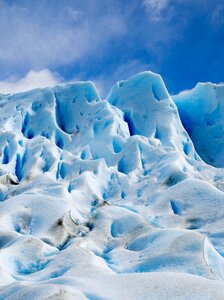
pixel 108 199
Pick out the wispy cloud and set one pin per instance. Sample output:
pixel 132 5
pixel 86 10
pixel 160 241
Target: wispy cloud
pixel 43 78
pixel 156 8
pixel 217 15
pixel 39 34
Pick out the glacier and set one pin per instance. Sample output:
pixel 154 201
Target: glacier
pixel 119 198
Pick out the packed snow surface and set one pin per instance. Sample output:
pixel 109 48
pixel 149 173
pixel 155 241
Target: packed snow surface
pixel 108 199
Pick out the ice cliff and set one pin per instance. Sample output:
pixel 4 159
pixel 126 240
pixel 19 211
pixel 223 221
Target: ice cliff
pixel 112 199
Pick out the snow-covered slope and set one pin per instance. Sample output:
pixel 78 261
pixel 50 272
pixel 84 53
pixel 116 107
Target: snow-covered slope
pixel 107 199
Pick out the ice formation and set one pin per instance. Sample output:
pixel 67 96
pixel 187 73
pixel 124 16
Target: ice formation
pixel 201 111
pixel 108 199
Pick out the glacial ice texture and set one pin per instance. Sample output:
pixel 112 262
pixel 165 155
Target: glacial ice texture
pixel 111 199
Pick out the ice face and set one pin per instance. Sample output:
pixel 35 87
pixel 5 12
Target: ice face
pixel 108 199
pixel 201 111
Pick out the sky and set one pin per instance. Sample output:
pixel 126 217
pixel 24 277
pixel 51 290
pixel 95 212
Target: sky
pixel 45 42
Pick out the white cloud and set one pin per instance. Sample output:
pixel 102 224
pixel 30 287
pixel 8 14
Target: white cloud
pixel 155 8
pixel 33 79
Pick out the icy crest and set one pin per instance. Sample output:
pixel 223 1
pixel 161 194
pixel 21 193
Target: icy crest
pixel 108 199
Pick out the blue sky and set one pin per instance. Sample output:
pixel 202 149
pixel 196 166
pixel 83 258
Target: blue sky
pixel 45 42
